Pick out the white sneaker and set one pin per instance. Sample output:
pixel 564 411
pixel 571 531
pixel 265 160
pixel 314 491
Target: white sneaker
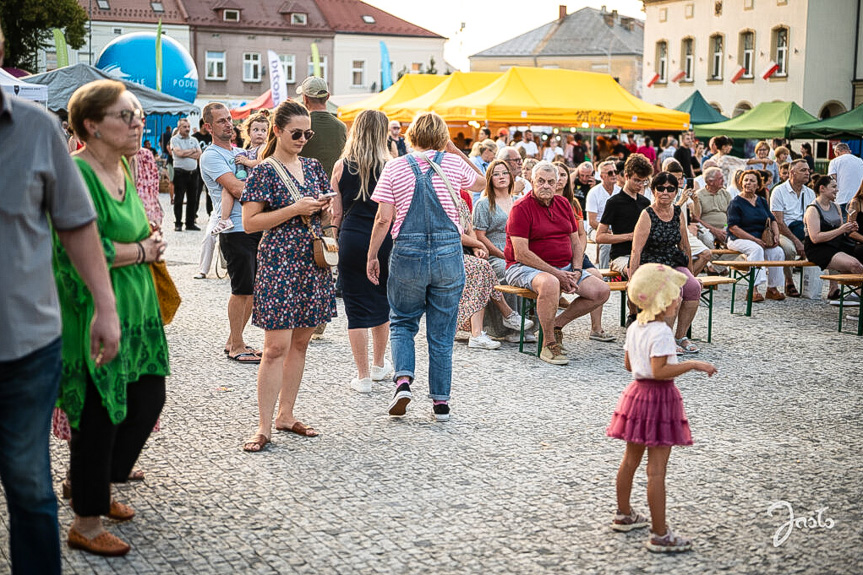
pixel 482 341
pixel 514 338
pixel 383 372
pixel 513 321
pixel 362 385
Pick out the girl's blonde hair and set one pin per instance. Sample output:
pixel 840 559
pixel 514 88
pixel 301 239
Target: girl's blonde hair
pixel 653 287
pixel 366 148
pixel 259 118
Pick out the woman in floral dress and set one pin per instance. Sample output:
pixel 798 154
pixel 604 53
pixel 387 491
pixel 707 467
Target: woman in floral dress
pixel 292 294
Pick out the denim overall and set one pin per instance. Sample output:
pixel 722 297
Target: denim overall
pixel 426 276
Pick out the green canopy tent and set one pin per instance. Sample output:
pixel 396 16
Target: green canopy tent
pixel 847 126
pixel 700 112
pixel 766 120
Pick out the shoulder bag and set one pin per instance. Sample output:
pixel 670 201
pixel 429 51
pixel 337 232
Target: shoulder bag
pixel 455 197
pixel 325 248
pixel 166 291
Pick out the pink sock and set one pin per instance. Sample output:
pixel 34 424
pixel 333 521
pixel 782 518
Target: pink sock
pixel 403 379
pixel 439 402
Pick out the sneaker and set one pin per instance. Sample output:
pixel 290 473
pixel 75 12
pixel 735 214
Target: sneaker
pixel 668 543
pixel 514 338
pixel 222 226
pixel 441 411
pixel 178 227
pixel 383 372
pixel 553 354
pixel 401 399
pixel 362 385
pixel 192 228
pixel 513 321
pixel 629 522
pixel 482 341
pixel 200 276
pixel 602 335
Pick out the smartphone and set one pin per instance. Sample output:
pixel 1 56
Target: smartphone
pixel 690 183
pixel 327 196
pixel 852 215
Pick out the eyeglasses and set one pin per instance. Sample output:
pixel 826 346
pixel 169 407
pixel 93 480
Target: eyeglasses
pixel 669 189
pixel 515 160
pixel 129 116
pixel 297 134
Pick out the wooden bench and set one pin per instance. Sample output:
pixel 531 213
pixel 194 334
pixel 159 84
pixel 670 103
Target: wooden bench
pixel 849 284
pixel 745 270
pixel 528 304
pixel 724 252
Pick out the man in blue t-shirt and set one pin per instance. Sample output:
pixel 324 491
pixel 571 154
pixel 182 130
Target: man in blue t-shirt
pixel 240 249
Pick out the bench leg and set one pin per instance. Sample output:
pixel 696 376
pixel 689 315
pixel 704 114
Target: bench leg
pixel 710 315
pixel 623 308
pixel 750 292
pixel 735 275
pixel 841 305
pixel 859 291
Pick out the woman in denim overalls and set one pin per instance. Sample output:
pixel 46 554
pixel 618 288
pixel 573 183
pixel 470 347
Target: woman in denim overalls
pixel 426 271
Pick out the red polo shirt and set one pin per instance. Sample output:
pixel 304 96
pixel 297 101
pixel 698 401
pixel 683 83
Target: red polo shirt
pixel 547 229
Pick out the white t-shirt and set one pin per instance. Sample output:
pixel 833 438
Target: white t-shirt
pixel 783 199
pixel 699 182
pixel 529 148
pixel 527 185
pixel 550 153
pixel 596 199
pixel 653 339
pixel 849 173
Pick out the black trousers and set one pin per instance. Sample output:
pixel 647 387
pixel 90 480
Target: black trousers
pixel 104 453
pixel 186 187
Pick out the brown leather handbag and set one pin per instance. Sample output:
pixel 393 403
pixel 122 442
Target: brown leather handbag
pixel 166 291
pixel 767 235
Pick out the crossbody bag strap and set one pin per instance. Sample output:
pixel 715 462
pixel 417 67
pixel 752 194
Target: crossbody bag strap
pixel 292 188
pixel 439 171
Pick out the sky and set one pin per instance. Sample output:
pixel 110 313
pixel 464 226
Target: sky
pixel 488 23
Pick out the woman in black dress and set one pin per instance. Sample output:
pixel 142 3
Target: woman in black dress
pixel 828 241
pixel 354 178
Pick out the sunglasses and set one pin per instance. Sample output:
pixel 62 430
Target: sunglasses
pixel 297 134
pixel 668 189
pixel 129 116
pixel 611 173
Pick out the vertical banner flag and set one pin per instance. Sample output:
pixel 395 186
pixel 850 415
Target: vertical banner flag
pixel 60 47
pixel 159 56
pixel 386 69
pixel 278 83
pixel 316 61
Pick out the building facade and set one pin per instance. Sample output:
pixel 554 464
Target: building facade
pixel 587 40
pixel 740 53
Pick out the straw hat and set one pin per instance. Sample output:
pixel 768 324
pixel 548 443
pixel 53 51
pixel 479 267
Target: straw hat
pixel 652 288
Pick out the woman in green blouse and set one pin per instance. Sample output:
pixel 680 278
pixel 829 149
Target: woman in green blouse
pixel 113 408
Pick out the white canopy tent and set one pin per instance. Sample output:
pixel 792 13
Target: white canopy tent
pixel 12 85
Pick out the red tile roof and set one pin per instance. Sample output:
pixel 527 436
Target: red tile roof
pixel 137 11
pixel 263 15
pixel 346 16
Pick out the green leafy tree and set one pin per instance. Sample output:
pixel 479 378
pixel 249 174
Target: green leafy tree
pixel 27 25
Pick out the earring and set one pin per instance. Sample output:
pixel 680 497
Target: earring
pixel 97 134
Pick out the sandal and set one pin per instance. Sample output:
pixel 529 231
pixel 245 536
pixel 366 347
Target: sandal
pixel 256 444
pixel 688 347
pixel 246 357
pixel 250 349
pixel 791 291
pixel 300 429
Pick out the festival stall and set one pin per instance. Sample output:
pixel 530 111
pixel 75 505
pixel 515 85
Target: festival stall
pixel 700 112
pixel 408 87
pixel 12 85
pixel 766 120
pixel 844 126
pixel 454 86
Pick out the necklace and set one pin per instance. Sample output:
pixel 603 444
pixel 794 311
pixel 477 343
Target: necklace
pixel 117 190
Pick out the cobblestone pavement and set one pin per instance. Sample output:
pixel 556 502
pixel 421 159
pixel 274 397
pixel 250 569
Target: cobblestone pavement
pixel 521 480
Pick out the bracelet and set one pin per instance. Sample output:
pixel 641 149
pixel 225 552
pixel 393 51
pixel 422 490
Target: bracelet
pixel 142 255
pixel 577 270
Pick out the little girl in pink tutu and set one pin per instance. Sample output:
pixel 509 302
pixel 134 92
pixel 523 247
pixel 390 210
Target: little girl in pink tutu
pixel 649 413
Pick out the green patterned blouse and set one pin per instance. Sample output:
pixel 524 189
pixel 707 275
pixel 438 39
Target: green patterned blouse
pixel 143 347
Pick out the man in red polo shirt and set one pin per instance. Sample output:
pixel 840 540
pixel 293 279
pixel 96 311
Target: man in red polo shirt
pixel 543 254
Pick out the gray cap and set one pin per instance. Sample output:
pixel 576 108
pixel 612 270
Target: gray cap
pixel 314 87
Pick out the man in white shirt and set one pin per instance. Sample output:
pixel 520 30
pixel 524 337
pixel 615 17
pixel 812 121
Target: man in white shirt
pixel 514 162
pixel 788 201
pixel 596 199
pixel 186 152
pixel 530 148
pixel 848 171
pixel 668 152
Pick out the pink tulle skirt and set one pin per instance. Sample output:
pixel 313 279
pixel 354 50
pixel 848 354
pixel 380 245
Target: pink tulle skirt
pixel 650 412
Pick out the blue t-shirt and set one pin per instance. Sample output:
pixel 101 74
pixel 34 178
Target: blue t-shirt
pixel 216 161
pixel 749 218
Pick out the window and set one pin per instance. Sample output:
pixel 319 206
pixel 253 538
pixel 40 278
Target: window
pixel 215 65
pixel 688 59
pixel 747 53
pixel 780 50
pixel 358 73
pixel 311 68
pixel 103 4
pixel 716 54
pixel 299 19
pixel 289 67
pixel 689 11
pixel 251 67
pixel 369 19
pixel 50 60
pixel 416 68
pixel 157 6
pixel 663 14
pixel 231 15
pixel 118 31
pixel 662 61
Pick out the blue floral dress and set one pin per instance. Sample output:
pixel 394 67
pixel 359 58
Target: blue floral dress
pixel 291 291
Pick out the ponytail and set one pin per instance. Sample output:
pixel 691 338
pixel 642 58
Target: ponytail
pixel 270 146
pixel 282 115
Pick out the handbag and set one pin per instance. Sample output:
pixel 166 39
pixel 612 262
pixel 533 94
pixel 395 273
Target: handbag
pixel 324 248
pixel 767 235
pixel 166 291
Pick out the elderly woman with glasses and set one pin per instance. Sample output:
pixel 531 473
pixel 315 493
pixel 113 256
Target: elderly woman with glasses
pixel 660 237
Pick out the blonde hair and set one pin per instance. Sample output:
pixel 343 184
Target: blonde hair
pixel 428 131
pixel 366 148
pixel 258 118
pixel 653 287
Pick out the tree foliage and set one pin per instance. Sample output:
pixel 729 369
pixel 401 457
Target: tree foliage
pixel 27 25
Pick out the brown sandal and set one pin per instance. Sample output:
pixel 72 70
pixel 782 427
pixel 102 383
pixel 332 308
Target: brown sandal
pixel 300 429
pixel 256 444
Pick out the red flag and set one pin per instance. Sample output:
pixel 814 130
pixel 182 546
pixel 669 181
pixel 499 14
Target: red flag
pixel 772 68
pixel 653 80
pixel 679 76
pixel 738 74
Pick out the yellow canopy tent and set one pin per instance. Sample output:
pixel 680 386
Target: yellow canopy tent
pixel 560 97
pixel 454 86
pixel 408 87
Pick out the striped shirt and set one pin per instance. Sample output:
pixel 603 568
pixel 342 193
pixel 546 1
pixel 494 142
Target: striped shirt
pixel 397 183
